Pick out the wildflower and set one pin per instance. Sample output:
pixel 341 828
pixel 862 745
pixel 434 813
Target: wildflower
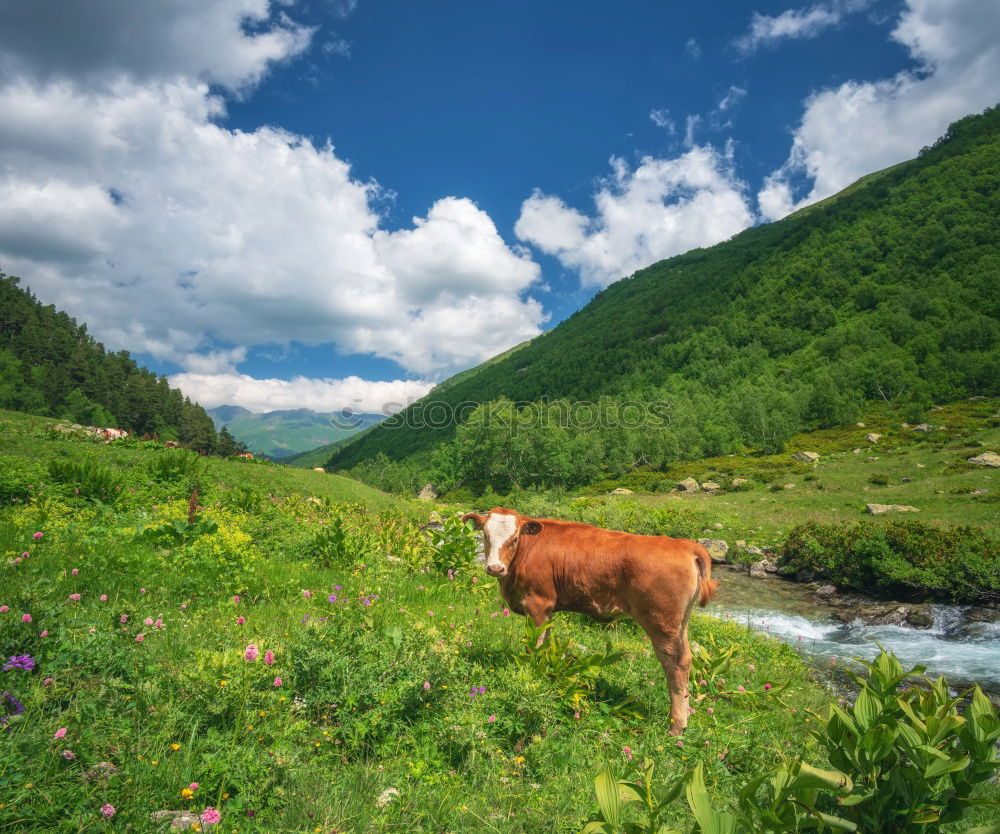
pixel 767 686
pixel 193 786
pixel 175 747
pixel 492 719
pixel 680 743
pixel 240 620
pixel 187 793
pixel 269 657
pixel 60 733
pixel 45 633
pixel 68 754
pixel 628 753
pixel 36 536
pixel 148 621
pixel 20 661
pixel 251 653
pixel 236 599
pixel 4 609
pixel 93 630
pixel 26 618
pixel 506 612
pixel 17 708
pixel 142 590
pixel 427 685
pixel 158 623
pixel 751 667
pixel 475 579
pixel 307 594
pixel 740 688
pixel 75 572
pixel 338 587
pixel 277 681
pixel 710 711
pixel 139 638
pixel 104 597
pixel 183 606
pixel 576 715
pixel 107 811
pixel 123 618
pixel 331 598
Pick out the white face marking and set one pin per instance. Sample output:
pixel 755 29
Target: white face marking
pixel 499 527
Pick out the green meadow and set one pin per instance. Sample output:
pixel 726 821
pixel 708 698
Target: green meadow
pixel 281 650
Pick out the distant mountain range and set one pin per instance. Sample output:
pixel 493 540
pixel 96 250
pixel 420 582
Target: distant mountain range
pixel 278 434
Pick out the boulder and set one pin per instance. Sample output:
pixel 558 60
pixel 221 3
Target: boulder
pixel 179 820
pixel 688 485
pixel 990 459
pixel 808 457
pixel 740 544
pixel 754 551
pixel 924 427
pixel 387 797
pixel 318 469
pixel 710 486
pixel 979 492
pixel 717 549
pixel 881 509
pixel 789 486
pixel 620 491
pixel 921 466
pixel 920 616
pixel 427 493
pixel 872 437
pixel 770 566
pixel 757 569
pixel 101 770
pixel 826 591
pixel 718 525
pixel 740 481
pixel 856 452
pixel 860 425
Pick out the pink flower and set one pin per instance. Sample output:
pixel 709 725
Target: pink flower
pixel 123 618
pixel 45 633
pixel 4 609
pixel 148 621
pixel 628 753
pixel 60 733
pixel 158 623
pixel 576 715
pixel 307 594
pixel 142 590
pixel 767 686
pixel 75 572
pixel 236 599
pixel 210 816
pixel 74 597
pixel 68 754
pixel 139 638
pixel 680 743
pixel 104 597
pixel 93 630
pixel 427 685
pixel 107 811
pixel 48 681
pixel 193 786
pixel 710 711
pixel 506 612
pixel 240 620
pixel 740 688
pixel 251 653
pixel 278 681
pixel 269 657
pixel 183 606
pixel 475 579
pixel 492 719
pixel 751 667
pixel 26 618
pixel 36 536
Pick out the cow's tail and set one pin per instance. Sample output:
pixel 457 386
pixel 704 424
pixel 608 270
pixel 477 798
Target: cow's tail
pixel 706 585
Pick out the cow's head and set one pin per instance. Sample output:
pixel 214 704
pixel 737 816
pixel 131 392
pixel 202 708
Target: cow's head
pixel 502 530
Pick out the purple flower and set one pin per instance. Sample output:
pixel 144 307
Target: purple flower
pixel 16 707
pixel 331 598
pixel 20 661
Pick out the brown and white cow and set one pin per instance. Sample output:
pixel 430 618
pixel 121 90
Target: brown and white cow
pixel 544 565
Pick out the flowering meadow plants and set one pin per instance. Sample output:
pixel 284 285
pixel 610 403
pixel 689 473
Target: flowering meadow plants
pixel 275 690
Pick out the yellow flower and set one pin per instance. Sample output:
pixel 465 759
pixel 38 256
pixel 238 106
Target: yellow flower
pixel 187 793
pixel 519 759
pixel 223 683
pixel 225 796
pixel 175 747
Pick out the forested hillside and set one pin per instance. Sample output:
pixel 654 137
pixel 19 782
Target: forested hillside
pixel 887 292
pixel 50 366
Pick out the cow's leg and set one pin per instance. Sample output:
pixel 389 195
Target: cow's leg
pixel 540 610
pixel 674 653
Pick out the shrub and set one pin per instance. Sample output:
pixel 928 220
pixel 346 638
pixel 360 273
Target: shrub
pixel 454 546
pixel 89 479
pixel 878 479
pixel 899 559
pixel 176 466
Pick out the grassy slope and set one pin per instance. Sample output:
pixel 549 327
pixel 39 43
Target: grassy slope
pixel 352 716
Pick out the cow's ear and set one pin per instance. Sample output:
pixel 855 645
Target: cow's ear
pixel 531 528
pixel 477 520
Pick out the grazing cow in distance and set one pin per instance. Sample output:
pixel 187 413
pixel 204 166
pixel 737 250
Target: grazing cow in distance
pixel 544 565
pixel 172 444
pixel 110 434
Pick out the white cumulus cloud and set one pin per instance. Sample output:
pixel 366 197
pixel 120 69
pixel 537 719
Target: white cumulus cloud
pixel 768 30
pixel 126 201
pixel 361 396
pixel 861 127
pixel 661 208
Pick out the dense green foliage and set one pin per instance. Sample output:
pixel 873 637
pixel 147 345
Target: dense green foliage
pixel 49 365
pixel 900 559
pixel 888 293
pixel 907 762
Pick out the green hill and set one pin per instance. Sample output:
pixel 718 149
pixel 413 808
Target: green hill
pixel 49 365
pixel 279 434
pixel 889 293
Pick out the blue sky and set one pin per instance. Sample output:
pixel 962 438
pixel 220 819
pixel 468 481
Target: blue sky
pixel 332 203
